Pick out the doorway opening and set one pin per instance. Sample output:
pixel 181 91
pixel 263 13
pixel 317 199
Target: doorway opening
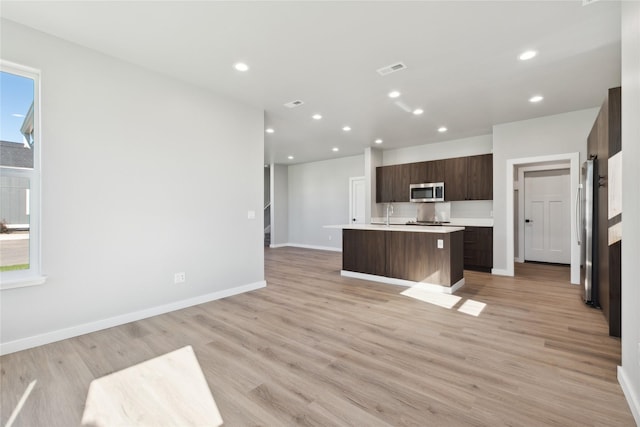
pixel 516 169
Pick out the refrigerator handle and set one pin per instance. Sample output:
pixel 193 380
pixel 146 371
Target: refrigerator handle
pixel 578 215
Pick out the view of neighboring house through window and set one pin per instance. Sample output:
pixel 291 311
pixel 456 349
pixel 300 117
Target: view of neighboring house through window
pixel 19 174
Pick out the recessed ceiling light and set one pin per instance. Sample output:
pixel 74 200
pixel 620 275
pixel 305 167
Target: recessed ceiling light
pixel 378 141
pixel 394 94
pixel 316 117
pixel 536 98
pixel 527 55
pixel 442 129
pixel 290 157
pixel 418 111
pixel 346 128
pixel 269 130
pixel 241 66
pixel 335 149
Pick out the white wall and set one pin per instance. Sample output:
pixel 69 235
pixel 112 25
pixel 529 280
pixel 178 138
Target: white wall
pixel 140 180
pixel 318 196
pixel 280 205
pixel 544 136
pixel 439 150
pixel 629 373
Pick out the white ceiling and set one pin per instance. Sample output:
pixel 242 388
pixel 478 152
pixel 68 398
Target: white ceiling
pixel 462 59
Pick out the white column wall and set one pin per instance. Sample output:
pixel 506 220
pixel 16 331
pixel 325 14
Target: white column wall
pixel 629 372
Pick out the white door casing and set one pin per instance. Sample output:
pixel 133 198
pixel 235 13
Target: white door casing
pixel 547 216
pixel 357 200
pixel 512 174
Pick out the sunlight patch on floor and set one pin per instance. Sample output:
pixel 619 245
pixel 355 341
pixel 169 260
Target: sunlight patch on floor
pixel 436 298
pixel 167 390
pixel 448 301
pixel 472 307
pixel 20 404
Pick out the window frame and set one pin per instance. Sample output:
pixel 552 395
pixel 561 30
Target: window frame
pixel 33 275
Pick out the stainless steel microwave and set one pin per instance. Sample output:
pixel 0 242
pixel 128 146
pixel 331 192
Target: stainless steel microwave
pixel 428 192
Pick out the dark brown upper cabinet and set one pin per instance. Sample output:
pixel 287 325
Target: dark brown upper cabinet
pixel 432 171
pixel 469 178
pixel 465 178
pixel 392 183
pixel 480 177
pixel 455 179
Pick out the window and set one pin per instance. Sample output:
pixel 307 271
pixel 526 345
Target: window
pixel 19 176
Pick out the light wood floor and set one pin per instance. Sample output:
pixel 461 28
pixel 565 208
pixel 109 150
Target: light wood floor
pixel 314 348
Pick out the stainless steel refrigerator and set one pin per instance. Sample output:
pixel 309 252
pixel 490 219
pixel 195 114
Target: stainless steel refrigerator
pixel 588 235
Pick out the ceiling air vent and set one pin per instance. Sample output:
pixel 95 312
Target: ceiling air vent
pixel 294 104
pixel 391 68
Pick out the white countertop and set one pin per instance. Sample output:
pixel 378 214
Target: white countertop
pixel 398 227
pixel 471 222
pixel 453 222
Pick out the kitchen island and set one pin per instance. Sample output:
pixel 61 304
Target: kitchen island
pixel 405 255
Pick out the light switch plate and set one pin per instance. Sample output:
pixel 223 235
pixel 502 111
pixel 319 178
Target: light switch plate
pixel 440 244
pixel 251 215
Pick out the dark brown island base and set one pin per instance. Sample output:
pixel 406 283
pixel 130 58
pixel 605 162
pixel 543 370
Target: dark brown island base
pixel 429 257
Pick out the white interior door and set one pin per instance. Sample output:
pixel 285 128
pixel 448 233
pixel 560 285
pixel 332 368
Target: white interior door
pixel 357 200
pixel 547 216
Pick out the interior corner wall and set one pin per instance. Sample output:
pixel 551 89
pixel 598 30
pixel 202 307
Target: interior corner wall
pixel 279 205
pixel 544 136
pixel 140 178
pixel 629 373
pixel 319 196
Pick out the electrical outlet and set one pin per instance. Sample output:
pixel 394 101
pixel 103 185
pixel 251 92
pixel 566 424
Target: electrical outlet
pixel 179 277
pixel 440 244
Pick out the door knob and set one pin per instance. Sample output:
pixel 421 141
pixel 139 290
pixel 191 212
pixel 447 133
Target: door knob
pixel 527 220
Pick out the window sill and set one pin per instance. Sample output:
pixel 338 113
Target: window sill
pixel 22 282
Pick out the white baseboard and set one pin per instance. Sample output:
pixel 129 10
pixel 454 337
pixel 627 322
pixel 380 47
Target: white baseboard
pixel 279 245
pixel 432 287
pixel 298 245
pixel 632 399
pixel 74 331
pixel 501 272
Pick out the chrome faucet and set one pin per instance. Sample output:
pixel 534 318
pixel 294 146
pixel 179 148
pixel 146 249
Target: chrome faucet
pixel 389 212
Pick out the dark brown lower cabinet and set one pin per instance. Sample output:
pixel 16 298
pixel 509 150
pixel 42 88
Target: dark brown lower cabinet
pixel 413 256
pixel 615 285
pixel 364 251
pixel 478 248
